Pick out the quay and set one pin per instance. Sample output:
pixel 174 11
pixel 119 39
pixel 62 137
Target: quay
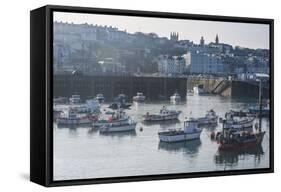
pixel 65 85
pixel 111 86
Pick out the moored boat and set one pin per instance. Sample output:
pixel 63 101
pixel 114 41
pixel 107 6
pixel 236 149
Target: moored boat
pixel 116 118
pixel 75 99
pixel 211 118
pixel 240 123
pixel 175 98
pixel 230 138
pixel 100 98
pixel 164 115
pixel 91 106
pixel 120 126
pixel 75 119
pixel 121 98
pixel 234 140
pixel 189 131
pixel 199 90
pixel 139 97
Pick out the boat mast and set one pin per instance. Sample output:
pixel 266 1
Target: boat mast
pixel 260 103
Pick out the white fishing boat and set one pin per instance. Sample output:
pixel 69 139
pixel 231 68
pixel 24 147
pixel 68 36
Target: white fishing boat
pixel 129 125
pixel 139 97
pixel 75 119
pixel 116 118
pixel 189 131
pixel 239 123
pixel 164 115
pixel 100 98
pixel 91 106
pixel 199 90
pixel 75 99
pixel 175 98
pixel 211 118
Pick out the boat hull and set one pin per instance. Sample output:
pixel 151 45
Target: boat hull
pixel 108 129
pixel 67 122
pixel 107 123
pixel 245 144
pixel 152 118
pixel 179 137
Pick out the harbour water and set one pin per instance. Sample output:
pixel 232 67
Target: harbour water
pixel 82 152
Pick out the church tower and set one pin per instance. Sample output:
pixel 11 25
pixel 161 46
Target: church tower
pixel 202 41
pixel 217 39
pixel 174 36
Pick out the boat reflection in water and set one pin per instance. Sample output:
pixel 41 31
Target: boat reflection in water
pixel 131 133
pixel 162 124
pixel 232 158
pixel 73 126
pixel 188 147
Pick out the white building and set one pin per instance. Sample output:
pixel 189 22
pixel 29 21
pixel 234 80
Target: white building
pixel 205 63
pixel 172 65
pixel 109 65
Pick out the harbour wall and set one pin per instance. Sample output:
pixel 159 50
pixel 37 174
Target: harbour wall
pixel 111 86
pixel 152 87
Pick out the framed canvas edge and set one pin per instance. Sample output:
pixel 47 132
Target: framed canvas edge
pixel 49 132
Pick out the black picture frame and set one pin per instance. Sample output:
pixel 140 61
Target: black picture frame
pixel 41 132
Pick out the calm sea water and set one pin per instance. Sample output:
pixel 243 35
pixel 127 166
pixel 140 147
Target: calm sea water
pixel 81 153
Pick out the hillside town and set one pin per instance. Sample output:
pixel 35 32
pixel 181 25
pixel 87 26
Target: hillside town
pixel 106 50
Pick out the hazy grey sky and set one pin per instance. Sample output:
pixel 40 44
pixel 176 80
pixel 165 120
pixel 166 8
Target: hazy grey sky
pixel 241 34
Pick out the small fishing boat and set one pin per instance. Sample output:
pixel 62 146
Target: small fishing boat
pixel 75 99
pixel 175 98
pixel 164 115
pixel 100 98
pixel 189 131
pixel 120 126
pixel 91 106
pixel 234 140
pixel 199 90
pixel 139 97
pixel 239 123
pixel 116 118
pixel 230 138
pixel 75 119
pixel 121 98
pixel 211 118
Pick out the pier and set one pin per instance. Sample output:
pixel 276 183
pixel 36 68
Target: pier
pixel 230 88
